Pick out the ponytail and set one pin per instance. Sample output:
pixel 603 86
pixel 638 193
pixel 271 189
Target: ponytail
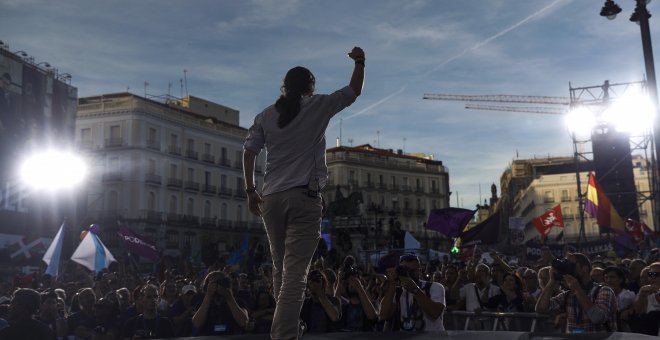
pixel 298 81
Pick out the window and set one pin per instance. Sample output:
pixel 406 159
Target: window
pixel 548 197
pixel 190 207
pixel 380 179
pixel 393 181
pixel 223 181
pixel 151 166
pixel 369 178
pixel 239 213
pixel 223 211
pixel 191 174
pixel 86 136
pixel 191 144
pixel 405 181
pixel 434 204
pixel 566 212
pixel 151 135
pixel 207 148
pixel 207 209
pixel 174 140
pixel 115 132
pixel 239 183
pixel 433 185
pixel 151 201
pixel 207 177
pixel 418 183
pixel 173 170
pixel 223 153
pixel 173 204
pixel 351 176
pixel 113 164
pixel 564 196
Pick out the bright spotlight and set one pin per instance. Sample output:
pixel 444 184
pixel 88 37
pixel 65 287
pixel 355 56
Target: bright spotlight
pixel 632 113
pixel 580 122
pixel 53 170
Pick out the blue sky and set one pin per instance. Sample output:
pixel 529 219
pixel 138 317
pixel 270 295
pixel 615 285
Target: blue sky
pixel 236 53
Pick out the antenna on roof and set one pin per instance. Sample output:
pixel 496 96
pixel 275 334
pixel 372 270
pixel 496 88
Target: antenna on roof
pixel 169 89
pixel 350 141
pixel 185 80
pixel 181 84
pixel 146 83
pixel 340 128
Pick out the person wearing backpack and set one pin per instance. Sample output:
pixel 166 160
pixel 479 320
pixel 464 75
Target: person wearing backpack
pixel 589 307
pixel 409 303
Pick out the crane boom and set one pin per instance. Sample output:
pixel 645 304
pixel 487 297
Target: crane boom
pixel 538 109
pixel 502 98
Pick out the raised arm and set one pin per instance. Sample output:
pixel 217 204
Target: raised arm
pixel 357 79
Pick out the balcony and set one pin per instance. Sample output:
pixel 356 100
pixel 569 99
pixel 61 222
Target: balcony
pixel 192 154
pixel 394 187
pixel 152 179
pixel 209 189
pixel 114 142
pixel 240 224
pixel 174 183
pixel 190 185
pixel 153 144
pixel 257 169
pixel 565 199
pixel 224 191
pixel 114 176
pixel 435 191
pixel 174 150
pixel 548 200
pixel 208 158
pixel 407 212
pixel 175 218
pixel 224 223
pixel 353 183
pixel 420 212
pixel 370 185
pixel 419 190
pixel 208 221
pixel 194 220
pixel 153 216
pixel 238 165
pixel 240 195
pixel 406 188
pixel 382 186
pixel 224 162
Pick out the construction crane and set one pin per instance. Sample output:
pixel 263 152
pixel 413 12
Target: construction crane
pixel 531 109
pixel 501 98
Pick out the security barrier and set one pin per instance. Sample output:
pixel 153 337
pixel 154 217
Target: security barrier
pixel 495 321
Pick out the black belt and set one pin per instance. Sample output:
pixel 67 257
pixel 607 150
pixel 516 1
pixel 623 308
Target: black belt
pixel 310 193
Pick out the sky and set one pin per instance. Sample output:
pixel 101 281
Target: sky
pixel 236 53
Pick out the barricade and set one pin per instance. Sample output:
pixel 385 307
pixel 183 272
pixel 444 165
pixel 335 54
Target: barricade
pixel 493 321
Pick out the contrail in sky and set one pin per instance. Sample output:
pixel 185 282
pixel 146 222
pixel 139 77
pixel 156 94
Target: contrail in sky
pixel 462 53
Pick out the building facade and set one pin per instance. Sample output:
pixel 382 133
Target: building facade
pixel 171 170
pixel 547 190
pixel 397 190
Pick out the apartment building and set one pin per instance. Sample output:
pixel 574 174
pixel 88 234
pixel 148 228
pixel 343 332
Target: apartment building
pixel 170 168
pixel 397 189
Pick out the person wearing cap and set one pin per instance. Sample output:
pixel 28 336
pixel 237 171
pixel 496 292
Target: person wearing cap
pixel 183 310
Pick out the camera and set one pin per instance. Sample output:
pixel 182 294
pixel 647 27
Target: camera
pixel 403 271
pixel 315 276
pixel 563 267
pixel 349 271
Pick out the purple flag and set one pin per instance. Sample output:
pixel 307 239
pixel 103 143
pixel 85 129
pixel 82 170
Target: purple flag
pixel 449 221
pixel 138 244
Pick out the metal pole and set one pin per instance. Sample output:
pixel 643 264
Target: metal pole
pixel 581 234
pixel 652 89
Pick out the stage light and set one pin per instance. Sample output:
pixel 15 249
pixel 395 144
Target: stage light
pixel 632 113
pixel 53 171
pixel 580 122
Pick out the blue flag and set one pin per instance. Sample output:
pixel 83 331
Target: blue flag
pixel 449 221
pixel 52 255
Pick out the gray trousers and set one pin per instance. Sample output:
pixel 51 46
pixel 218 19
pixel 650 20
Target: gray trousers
pixel 293 225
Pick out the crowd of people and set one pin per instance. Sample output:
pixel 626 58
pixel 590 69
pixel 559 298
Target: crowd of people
pixel 575 294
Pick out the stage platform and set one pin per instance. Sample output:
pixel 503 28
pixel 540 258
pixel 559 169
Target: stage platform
pixel 459 335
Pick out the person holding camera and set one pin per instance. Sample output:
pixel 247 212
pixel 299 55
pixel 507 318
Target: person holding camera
pixel 293 132
pixel 149 324
pixel 409 303
pixel 357 310
pixel 647 302
pixel 589 307
pixel 321 310
pixel 220 313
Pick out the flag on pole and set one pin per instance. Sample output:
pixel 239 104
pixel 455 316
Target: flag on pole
pixel 600 207
pixel 449 221
pixel 138 244
pixel 410 242
pixel 486 232
pixel 92 254
pixel 52 255
pixel 549 219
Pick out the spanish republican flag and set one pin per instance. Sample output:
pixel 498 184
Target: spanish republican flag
pixel 600 207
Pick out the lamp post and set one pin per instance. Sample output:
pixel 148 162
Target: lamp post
pixel 641 16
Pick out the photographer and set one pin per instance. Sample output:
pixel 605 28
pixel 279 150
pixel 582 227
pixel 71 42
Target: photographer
pixel 589 307
pixel 320 310
pixel 219 313
pixel 408 306
pixel 357 311
pixel 149 324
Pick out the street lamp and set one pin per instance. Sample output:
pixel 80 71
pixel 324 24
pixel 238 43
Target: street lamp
pixel 641 16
